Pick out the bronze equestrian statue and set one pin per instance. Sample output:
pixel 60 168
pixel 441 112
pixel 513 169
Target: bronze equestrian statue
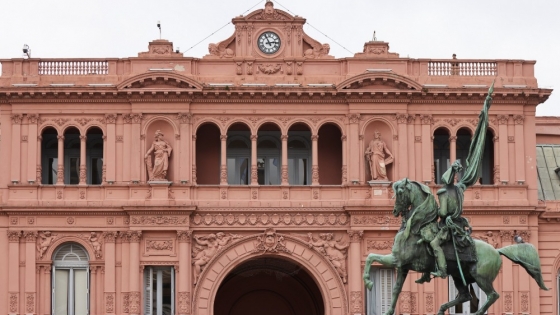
pixel 445 247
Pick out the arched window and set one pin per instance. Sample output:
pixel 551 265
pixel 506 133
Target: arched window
pixel 463 143
pixel 441 153
pixel 238 157
pixel 70 280
pixel 49 156
pixel 268 158
pixel 299 154
pixel 72 156
pixel 94 156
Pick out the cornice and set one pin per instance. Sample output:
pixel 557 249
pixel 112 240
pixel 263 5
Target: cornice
pixel 202 210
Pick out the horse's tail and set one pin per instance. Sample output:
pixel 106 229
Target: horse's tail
pixel 527 256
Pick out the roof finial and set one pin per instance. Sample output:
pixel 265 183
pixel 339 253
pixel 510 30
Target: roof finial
pixel 374 39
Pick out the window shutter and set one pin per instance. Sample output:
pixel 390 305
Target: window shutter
pixel 386 290
pixel 148 291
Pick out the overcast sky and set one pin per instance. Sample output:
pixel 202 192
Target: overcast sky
pixel 495 29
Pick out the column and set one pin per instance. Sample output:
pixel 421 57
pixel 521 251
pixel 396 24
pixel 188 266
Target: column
pixel 511 151
pixel 401 158
pixel 314 160
pixel 33 151
pixel 60 171
pixel 507 276
pixel 83 141
pixel 134 263
pixel 136 155
pixel 426 148
pixel 38 162
pixel 519 149
pixel 496 170
pixel 16 151
pixel 111 157
pixel 193 158
pixel 125 274
pixel 410 137
pixel 223 160
pixel 184 119
pixel 183 280
pixel 530 155
pixel 47 289
pixel 354 154
pixel 344 179
pixel 13 271
pixel 127 147
pixel 452 149
pixel 418 148
pixel 110 272
pixel 93 290
pixel 254 171
pixel 30 272
pixel 355 283
pixel 284 170
pixel 503 140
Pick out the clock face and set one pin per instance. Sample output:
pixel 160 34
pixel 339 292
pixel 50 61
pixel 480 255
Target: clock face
pixel 269 42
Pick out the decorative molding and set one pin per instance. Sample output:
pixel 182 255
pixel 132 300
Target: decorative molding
pixel 159 245
pixel 417 139
pixel 207 247
pixel 508 301
pixel 159 220
pixel 524 297
pixel 30 236
pixel 376 220
pixel 268 219
pixel 518 119
pixel 110 118
pixel 110 236
pixel 429 302
pixel 489 238
pixel 14 302
pixel 426 119
pixel 353 118
pixel 453 121
pixel 270 68
pixel 507 236
pixel 33 118
pixel 126 302
pixel 96 242
pixel 335 251
pixel 502 119
pixel 134 236
pixel 13 236
pixel 134 302
pixel 16 119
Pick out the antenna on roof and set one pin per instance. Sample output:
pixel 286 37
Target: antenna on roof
pixel 374 39
pixel 159 26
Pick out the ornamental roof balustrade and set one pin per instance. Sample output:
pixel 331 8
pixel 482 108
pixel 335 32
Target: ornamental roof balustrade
pixel 466 73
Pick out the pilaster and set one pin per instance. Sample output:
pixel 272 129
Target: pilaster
pixel 183 278
pixel 355 284
pixel 16 148
pixel 32 149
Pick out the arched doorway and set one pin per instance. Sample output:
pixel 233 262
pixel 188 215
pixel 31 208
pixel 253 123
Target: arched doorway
pixel 268 285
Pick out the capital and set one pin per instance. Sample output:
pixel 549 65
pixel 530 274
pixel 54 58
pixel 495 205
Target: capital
pixel 184 236
pixel 355 236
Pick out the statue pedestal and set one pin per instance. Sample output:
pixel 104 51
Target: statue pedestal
pixel 160 189
pixel 379 183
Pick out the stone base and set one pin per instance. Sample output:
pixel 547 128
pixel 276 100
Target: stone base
pixel 160 189
pixel 379 183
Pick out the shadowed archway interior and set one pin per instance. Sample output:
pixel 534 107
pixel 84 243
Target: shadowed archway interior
pixel 269 286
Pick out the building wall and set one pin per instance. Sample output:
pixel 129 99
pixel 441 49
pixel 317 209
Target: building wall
pixel 140 224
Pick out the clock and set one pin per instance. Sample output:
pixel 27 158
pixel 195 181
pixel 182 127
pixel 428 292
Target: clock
pixel 269 42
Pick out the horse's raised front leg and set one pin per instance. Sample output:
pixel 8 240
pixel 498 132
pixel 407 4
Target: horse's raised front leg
pixel 401 277
pixel 385 260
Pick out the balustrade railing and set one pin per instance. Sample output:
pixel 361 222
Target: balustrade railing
pixel 462 68
pixel 83 67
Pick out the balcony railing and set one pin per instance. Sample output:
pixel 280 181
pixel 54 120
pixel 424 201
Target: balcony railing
pixel 462 68
pixel 83 67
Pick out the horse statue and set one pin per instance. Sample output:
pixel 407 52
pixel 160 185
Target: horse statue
pixel 411 252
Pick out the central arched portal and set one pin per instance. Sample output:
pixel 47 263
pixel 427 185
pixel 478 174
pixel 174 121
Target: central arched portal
pixel 268 285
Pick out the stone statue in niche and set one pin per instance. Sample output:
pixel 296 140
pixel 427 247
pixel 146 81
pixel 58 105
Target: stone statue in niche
pixel 207 247
pixel 335 251
pixel 44 241
pixel 157 170
pixel 378 157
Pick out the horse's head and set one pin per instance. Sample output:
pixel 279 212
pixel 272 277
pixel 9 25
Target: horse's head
pixel 402 189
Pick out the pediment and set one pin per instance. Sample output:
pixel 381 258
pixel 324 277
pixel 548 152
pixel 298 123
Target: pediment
pixel 160 80
pixel 379 81
pixel 269 14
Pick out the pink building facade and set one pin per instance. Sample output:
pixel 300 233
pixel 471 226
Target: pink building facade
pixel 237 183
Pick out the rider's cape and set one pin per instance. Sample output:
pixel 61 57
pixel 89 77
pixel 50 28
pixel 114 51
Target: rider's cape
pixel 425 213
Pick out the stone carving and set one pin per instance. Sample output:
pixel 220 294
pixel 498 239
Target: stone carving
pixel 269 13
pixel 356 301
pixel 378 156
pixel 111 118
pixel 269 68
pixel 13 302
pixel 489 238
pixel 429 302
pixel 184 236
pixel 524 301
pixel 319 51
pixel 159 245
pixel 44 241
pixel 157 170
pixel 355 235
pixel 377 245
pixel 134 302
pixel 109 302
pixel 206 248
pixel 184 303
pixel 335 251
pixel 30 236
pixel 17 118
pixel 270 242
pixel 13 236
pixel 95 243
pixel 126 302
pixel 159 220
pixel 220 50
